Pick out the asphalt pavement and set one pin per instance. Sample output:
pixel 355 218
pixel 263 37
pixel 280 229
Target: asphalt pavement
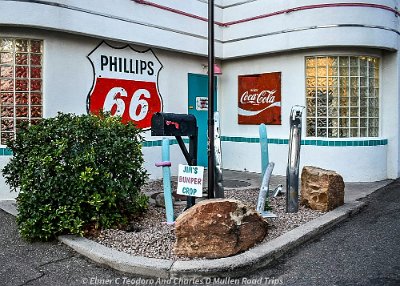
pixel 42 264
pixel 364 250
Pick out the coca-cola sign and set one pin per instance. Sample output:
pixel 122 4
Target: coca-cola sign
pixel 125 83
pixel 259 99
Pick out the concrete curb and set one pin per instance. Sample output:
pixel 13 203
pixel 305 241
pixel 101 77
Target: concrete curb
pixel 9 206
pixel 235 266
pixel 149 267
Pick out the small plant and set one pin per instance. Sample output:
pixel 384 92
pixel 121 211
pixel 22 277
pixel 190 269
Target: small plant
pixel 76 173
pixel 267 207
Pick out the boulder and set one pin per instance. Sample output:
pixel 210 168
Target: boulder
pixel 218 228
pixel 321 189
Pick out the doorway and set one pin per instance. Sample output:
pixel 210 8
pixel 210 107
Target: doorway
pixel 198 106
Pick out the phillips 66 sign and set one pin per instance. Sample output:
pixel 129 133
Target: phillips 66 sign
pixel 125 83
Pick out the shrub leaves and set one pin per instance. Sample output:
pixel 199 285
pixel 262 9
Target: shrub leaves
pixel 76 173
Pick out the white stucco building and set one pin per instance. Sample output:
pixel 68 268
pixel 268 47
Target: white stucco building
pixel 339 59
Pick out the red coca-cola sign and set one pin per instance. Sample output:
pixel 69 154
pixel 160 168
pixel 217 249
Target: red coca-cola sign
pixel 125 83
pixel 259 99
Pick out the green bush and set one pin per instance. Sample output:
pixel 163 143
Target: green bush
pixel 76 173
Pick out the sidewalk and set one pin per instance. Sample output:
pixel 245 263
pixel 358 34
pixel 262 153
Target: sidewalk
pixel 235 266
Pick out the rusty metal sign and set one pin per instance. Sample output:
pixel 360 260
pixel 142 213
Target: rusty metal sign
pixel 259 99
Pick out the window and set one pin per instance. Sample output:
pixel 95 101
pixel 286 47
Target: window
pixel 342 96
pixel 20 84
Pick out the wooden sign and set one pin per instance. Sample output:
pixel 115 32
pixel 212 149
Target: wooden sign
pixel 259 99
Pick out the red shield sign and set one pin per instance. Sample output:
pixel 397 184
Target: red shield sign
pixel 259 98
pixel 125 83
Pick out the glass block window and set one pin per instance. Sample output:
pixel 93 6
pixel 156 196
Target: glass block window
pixel 20 84
pixel 342 96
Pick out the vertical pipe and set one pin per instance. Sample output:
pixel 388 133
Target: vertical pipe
pixel 292 171
pixel 211 85
pixel 169 209
pixel 264 148
pixel 219 187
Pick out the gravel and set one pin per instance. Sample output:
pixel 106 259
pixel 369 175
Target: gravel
pixel 152 237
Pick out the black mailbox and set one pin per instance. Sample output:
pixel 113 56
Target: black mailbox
pixel 172 124
pixel 178 125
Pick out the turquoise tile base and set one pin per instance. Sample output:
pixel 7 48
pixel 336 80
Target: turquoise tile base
pixel 312 142
pixel 280 141
pixel 5 152
pixel 158 143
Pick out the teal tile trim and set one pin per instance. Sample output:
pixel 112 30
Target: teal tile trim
pixel 158 143
pixel 311 142
pixel 279 141
pixel 5 152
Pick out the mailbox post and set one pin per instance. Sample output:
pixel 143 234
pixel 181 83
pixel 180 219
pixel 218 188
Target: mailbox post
pixel 178 125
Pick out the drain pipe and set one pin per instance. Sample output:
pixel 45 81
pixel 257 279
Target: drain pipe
pixel 292 171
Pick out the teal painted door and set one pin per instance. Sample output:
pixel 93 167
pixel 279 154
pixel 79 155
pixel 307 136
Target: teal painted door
pixel 197 105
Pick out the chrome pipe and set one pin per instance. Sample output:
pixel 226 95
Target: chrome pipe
pixel 292 171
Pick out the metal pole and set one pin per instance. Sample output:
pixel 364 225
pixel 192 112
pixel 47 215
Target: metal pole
pixel 193 140
pixel 169 207
pixel 263 196
pixel 264 148
pixel 292 171
pixel 211 85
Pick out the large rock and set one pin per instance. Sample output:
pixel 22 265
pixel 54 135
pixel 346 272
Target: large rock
pixel 218 228
pixel 321 189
